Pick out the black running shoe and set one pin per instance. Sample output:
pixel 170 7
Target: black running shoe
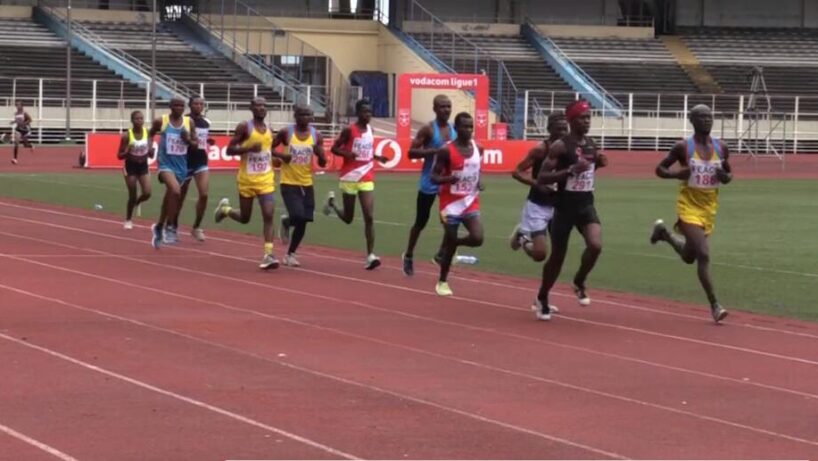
pixel 718 312
pixel 408 265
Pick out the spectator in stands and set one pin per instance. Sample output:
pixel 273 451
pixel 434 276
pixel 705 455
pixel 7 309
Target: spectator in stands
pixel 571 164
pixel 427 142
pixel 704 166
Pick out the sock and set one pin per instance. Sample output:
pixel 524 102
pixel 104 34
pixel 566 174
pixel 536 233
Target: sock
pixel 268 248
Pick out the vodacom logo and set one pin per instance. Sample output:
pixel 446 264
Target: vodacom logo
pixel 390 149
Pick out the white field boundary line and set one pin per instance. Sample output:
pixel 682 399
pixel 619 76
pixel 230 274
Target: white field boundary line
pixel 428 293
pixel 467 362
pixel 311 371
pixel 394 312
pixel 36 443
pixel 175 396
pixel 466 279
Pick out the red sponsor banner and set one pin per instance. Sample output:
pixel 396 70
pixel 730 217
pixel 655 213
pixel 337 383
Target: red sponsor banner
pixel 467 82
pixel 498 156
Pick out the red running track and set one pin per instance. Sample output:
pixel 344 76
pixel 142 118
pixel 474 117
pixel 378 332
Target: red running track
pixel 113 350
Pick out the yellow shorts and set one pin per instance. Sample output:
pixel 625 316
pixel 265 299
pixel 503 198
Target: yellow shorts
pixel 352 188
pixel 249 190
pixel 706 221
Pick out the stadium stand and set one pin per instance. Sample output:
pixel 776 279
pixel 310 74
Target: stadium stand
pixel 789 59
pixel 223 80
pixel 29 51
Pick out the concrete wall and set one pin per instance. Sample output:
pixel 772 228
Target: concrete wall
pixel 15 12
pixel 597 12
pixel 80 14
pixel 748 13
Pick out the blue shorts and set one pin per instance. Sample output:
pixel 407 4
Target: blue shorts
pixel 456 220
pixel 176 164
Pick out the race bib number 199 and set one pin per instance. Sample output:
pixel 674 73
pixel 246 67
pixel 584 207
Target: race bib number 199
pixel 258 163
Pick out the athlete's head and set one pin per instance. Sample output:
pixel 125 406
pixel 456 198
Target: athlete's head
pixel 19 104
pixel 177 106
pixel 464 126
pixel 442 106
pixel 258 106
pixel 557 125
pixel 197 105
pixel 363 109
pixel 578 114
pixel 137 119
pixel 701 117
pixel 303 116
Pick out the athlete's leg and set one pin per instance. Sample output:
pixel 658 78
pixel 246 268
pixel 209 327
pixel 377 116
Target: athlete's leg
pixel 145 185
pixel 130 183
pixel 537 248
pixel 267 205
pixel 367 199
pixel 685 250
pixel 593 248
pixel 423 211
pixel 203 187
pixel 182 197
pixel 449 248
pixel 173 193
pixel 347 214
pixel 245 211
pixel 697 240
pixel 561 228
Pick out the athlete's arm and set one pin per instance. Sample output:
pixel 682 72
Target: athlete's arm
pixel 27 119
pixel 441 164
pixel 240 135
pixel 526 164
pixel 281 138
pixel 676 154
pixel 549 173
pixel 480 186
pixel 156 128
pixel 318 150
pixel 192 140
pixel 725 173
pixel 340 142
pixel 422 139
pixel 123 146
pixel 601 161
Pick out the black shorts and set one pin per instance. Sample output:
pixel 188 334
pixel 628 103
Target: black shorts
pixel 135 168
pixel 425 202
pixel 196 162
pixel 566 219
pixel 300 201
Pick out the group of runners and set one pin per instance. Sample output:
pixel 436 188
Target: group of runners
pixel 560 174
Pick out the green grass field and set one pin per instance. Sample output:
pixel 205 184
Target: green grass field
pixel 763 249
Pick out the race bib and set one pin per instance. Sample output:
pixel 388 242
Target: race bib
pixel 301 155
pixel 467 181
pixel 583 182
pixel 139 149
pixel 174 145
pixel 259 163
pixel 363 149
pixel 201 137
pixel 703 174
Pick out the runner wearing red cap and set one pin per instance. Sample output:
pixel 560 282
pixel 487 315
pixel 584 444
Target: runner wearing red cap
pixel 571 163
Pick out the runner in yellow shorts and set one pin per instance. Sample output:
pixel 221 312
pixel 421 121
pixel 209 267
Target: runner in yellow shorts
pixel 704 167
pixel 253 142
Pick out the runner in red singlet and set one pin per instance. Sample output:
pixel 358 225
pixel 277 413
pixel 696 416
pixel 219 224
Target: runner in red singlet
pixel 356 145
pixel 457 171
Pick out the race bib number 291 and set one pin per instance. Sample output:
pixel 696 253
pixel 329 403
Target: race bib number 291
pixel 583 182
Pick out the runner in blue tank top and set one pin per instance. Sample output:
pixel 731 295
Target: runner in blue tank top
pixel 427 142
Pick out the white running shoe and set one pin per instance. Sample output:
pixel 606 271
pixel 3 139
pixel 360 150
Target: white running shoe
pixel 543 314
pixel 372 262
pixel 269 262
pixel 514 238
pixel 443 289
pixel 219 214
pixel 128 225
pixel 291 261
pixel 198 234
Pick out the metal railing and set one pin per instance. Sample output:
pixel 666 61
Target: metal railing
pixel 231 20
pixel 654 121
pixel 566 62
pixel 448 47
pixel 55 8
